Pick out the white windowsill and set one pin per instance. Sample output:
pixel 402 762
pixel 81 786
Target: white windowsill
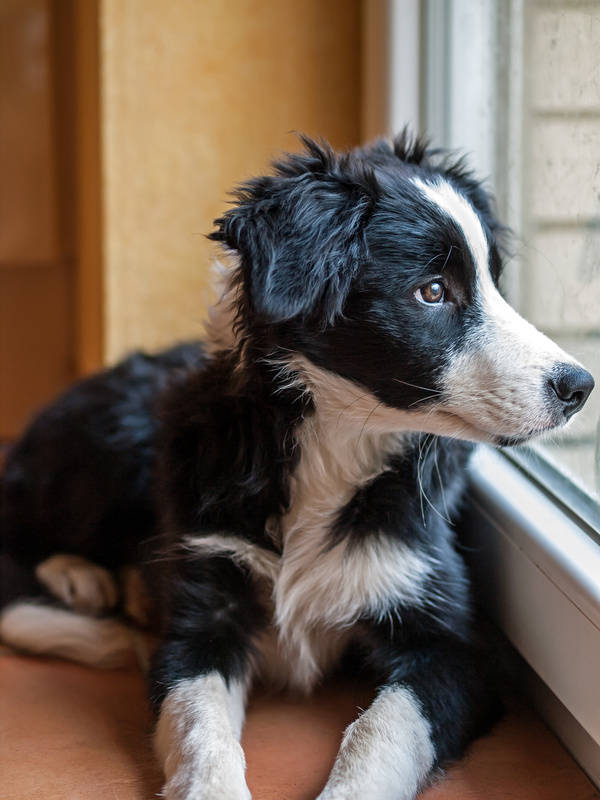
pixel 538 576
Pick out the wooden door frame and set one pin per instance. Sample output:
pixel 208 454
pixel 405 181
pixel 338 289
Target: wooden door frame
pixel 89 270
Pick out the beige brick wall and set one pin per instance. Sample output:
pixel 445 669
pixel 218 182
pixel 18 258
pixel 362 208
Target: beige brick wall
pixel 564 183
pixel 561 37
pixel 561 288
pixel 560 259
pixel 561 181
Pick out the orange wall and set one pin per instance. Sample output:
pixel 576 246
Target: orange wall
pixel 196 95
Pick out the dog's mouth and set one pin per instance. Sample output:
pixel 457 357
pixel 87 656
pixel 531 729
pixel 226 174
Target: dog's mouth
pixel 466 429
pixel 515 441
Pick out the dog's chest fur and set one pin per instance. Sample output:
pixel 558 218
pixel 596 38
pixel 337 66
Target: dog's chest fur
pixel 320 589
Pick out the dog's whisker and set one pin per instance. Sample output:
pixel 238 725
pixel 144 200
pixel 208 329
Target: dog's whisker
pixel 437 469
pixel 423 400
pixel 431 260
pixel 432 440
pixel 362 430
pixel 422 444
pixel 416 386
pixel 452 247
pixel 352 403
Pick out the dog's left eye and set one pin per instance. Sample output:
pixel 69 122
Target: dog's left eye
pixel 432 293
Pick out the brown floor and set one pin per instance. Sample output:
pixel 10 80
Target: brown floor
pixel 72 733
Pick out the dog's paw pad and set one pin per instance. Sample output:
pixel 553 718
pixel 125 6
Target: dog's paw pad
pixel 78 583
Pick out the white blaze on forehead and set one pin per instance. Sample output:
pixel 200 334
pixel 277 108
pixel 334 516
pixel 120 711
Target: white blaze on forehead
pixel 498 381
pixel 452 203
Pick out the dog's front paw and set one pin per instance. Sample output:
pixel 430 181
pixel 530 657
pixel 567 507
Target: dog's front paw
pixel 80 584
pixel 216 775
pixel 209 790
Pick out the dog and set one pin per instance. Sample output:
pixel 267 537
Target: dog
pixel 288 489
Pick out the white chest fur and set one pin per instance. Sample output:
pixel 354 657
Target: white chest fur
pixel 322 590
pixel 319 591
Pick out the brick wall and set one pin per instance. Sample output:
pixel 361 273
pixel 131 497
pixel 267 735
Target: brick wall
pixel 560 258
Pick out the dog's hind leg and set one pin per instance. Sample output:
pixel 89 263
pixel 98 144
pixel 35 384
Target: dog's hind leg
pixel 78 583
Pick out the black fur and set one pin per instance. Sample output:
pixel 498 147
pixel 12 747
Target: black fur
pixel 80 478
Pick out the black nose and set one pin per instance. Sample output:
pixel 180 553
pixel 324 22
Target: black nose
pixel 572 386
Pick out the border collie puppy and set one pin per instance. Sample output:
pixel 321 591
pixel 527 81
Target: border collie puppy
pixel 294 487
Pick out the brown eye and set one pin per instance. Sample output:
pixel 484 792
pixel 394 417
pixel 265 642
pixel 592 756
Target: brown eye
pixel 431 293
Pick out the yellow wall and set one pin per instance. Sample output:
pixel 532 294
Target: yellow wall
pixel 197 95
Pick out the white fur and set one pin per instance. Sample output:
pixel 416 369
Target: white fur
pixel 80 584
pixel 371 423
pixel 47 631
pixel 497 382
pixel 386 754
pixel 445 196
pixel 263 563
pixel 197 740
pixel 321 591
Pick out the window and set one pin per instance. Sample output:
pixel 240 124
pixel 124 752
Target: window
pixel 519 88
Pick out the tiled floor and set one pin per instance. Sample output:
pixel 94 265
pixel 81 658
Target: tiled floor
pixel 72 733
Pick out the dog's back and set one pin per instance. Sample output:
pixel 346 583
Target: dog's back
pixel 80 479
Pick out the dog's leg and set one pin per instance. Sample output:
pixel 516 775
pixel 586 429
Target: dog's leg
pixel 386 754
pixel 80 584
pixel 198 739
pixel 436 701
pixel 200 675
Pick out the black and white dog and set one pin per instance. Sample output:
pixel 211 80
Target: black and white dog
pixel 291 487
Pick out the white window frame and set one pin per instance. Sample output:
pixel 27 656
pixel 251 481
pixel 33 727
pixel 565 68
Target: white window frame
pixel 536 568
pixel 536 563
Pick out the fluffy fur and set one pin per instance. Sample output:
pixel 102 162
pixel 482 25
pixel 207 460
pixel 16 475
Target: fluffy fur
pixel 386 754
pixel 198 740
pixel 293 491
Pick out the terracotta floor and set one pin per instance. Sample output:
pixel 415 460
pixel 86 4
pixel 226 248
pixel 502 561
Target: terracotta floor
pixel 72 733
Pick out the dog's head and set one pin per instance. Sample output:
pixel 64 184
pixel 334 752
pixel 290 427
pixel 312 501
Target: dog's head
pixel 381 266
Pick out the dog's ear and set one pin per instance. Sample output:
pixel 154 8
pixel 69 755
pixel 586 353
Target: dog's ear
pixel 300 235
